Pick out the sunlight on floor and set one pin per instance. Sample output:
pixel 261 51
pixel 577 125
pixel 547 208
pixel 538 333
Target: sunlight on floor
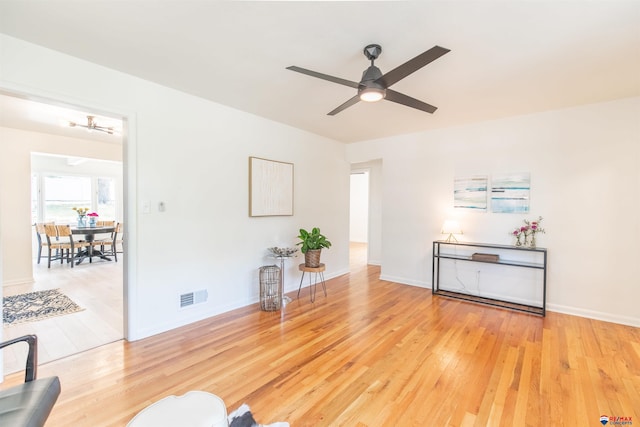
pixel 357 255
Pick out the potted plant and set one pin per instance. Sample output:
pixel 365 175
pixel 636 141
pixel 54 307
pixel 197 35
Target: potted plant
pixel 312 244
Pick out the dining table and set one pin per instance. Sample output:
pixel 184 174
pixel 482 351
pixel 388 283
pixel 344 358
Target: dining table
pixel 89 236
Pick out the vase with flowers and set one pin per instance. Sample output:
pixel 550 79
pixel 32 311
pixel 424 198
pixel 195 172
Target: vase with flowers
pixel 93 217
pixel 526 235
pixel 82 216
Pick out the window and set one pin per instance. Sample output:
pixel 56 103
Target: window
pixel 106 198
pixel 61 194
pixel 53 197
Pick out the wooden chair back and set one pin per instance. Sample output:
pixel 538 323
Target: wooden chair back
pixel 106 223
pixel 51 231
pixel 64 231
pixel 41 234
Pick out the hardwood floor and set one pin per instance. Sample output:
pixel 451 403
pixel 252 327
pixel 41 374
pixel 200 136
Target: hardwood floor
pixel 372 353
pixel 96 287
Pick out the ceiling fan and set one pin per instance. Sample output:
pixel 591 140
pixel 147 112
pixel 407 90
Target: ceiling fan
pixel 92 125
pixel 374 85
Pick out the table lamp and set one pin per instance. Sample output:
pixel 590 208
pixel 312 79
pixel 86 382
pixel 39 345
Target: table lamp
pixel 451 227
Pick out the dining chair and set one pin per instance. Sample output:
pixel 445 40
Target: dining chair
pixel 99 241
pixel 113 242
pixel 41 234
pixel 53 243
pixel 65 242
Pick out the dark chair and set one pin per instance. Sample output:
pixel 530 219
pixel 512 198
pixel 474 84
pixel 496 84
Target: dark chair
pixel 65 242
pixel 113 241
pixel 42 239
pixel 51 232
pixel 28 404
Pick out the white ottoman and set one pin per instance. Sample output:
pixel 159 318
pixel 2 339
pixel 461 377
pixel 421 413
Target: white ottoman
pixel 193 409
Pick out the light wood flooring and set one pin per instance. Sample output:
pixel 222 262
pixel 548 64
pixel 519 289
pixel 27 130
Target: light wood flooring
pixel 371 353
pixel 96 287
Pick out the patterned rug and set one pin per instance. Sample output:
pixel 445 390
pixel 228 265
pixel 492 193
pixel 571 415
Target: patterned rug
pixel 38 305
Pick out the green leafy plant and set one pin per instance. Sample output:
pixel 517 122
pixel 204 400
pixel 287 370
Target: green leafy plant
pixel 312 240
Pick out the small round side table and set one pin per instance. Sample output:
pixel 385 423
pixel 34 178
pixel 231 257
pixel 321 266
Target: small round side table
pixel 318 273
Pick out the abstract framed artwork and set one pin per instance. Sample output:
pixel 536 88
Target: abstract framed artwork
pixel 470 193
pixel 510 192
pixel 270 187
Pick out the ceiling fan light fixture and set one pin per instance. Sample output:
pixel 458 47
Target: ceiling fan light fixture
pixel 372 94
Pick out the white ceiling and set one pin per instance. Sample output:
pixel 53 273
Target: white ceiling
pixel 507 57
pixel 21 113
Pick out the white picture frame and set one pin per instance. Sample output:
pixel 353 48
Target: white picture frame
pixel 270 187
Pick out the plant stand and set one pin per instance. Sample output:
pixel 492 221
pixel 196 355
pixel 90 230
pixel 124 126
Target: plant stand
pixel 319 273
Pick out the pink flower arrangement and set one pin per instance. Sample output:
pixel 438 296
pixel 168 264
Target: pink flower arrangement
pixel 526 234
pixel 533 227
pixel 94 214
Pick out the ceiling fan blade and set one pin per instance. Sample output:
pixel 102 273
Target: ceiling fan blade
pixel 324 77
pixel 346 105
pixel 400 98
pixel 411 66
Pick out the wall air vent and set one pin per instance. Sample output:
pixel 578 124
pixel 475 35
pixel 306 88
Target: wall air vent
pixel 191 298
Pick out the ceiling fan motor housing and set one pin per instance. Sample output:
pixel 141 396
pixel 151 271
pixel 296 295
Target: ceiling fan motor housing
pixel 369 84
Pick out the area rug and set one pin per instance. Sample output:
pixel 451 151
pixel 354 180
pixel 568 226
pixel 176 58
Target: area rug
pixel 242 417
pixel 38 305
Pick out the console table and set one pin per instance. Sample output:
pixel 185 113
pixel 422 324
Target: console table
pixel 501 255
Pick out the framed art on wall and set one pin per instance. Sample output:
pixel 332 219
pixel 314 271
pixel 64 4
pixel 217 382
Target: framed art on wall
pixel 470 192
pixel 270 187
pixel 510 192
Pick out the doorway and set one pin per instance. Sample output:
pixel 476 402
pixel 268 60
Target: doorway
pixel 367 210
pixel 358 218
pixel 97 287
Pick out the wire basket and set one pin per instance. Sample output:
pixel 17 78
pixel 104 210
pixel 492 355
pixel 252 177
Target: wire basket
pixel 270 293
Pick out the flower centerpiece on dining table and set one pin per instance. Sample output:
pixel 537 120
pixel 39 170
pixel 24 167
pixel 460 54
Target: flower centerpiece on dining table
pixel 93 217
pixel 526 234
pixel 82 212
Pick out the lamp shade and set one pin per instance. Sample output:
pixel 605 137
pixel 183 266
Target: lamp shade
pixel 451 227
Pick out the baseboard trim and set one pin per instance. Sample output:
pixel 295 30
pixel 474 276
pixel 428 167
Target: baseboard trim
pixel 557 308
pixel 202 314
pixel 405 281
pixel 23 281
pixel 596 315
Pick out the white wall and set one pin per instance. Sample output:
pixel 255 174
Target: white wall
pixel 16 230
pixel 585 177
pixel 192 155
